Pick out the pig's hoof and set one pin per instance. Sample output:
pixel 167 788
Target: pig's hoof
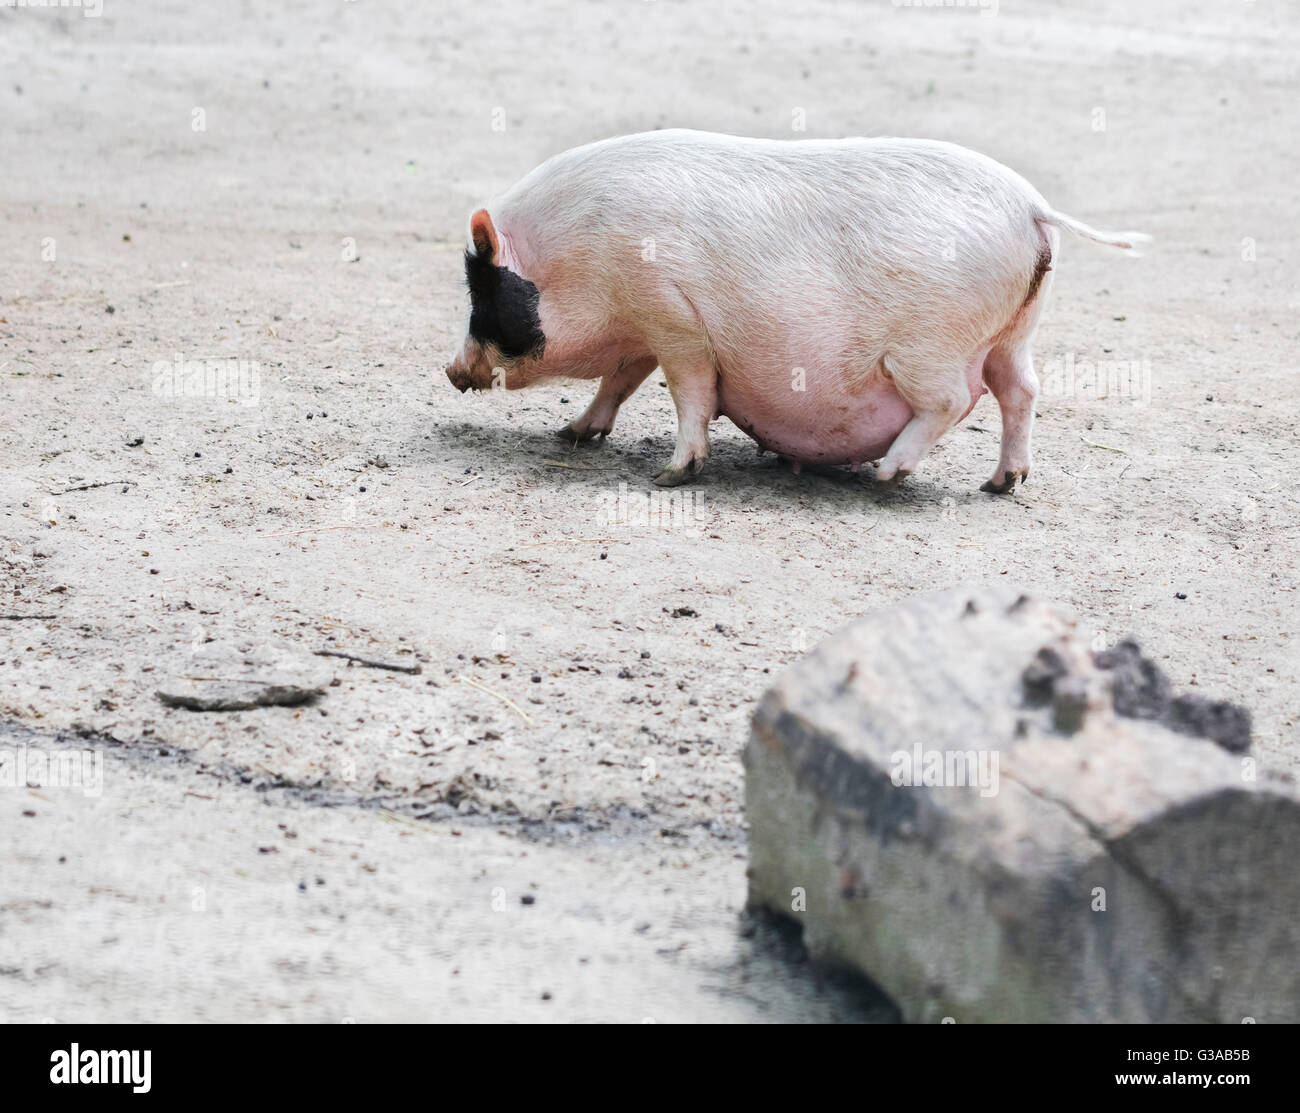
pixel 574 435
pixel 675 477
pixel 889 481
pixel 1007 483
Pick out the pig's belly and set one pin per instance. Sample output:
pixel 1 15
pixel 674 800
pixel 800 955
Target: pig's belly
pixel 829 428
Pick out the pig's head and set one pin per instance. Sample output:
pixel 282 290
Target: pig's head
pixel 504 341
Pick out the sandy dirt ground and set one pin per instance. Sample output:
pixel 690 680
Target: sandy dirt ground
pixel 545 821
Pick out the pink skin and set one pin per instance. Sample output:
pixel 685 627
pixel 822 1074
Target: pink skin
pixel 837 419
pixel 858 427
pixel 585 339
pixel 574 350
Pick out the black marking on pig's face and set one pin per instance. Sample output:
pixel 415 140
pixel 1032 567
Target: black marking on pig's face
pixel 503 308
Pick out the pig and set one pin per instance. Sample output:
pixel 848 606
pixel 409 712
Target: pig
pixel 840 301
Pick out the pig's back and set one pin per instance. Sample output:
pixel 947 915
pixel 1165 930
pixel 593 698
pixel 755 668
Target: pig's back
pixel 733 188
pixel 822 223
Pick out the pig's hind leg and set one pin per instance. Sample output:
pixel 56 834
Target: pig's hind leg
pixel 939 395
pixel 1009 373
pixel 597 420
pixel 1010 376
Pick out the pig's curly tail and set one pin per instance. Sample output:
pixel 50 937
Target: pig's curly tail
pixel 1129 242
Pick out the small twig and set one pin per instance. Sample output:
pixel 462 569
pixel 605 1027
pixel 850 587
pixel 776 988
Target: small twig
pixel 27 617
pixel 504 699
pixel 578 540
pixel 167 286
pixel 322 529
pixel 571 467
pixel 413 670
pixel 1106 447
pixel 405 821
pixel 106 483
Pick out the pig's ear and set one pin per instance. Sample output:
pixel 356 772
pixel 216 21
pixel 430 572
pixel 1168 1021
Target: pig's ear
pixel 483 235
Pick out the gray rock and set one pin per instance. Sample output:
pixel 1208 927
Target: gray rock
pixel 243 678
pixel 236 696
pixel 1065 863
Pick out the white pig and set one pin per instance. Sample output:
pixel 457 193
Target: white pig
pixel 841 301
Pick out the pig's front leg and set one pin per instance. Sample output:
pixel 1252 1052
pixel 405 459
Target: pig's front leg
pixel 597 420
pixel 693 383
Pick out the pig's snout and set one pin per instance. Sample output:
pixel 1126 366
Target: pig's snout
pixel 458 374
pixel 466 372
